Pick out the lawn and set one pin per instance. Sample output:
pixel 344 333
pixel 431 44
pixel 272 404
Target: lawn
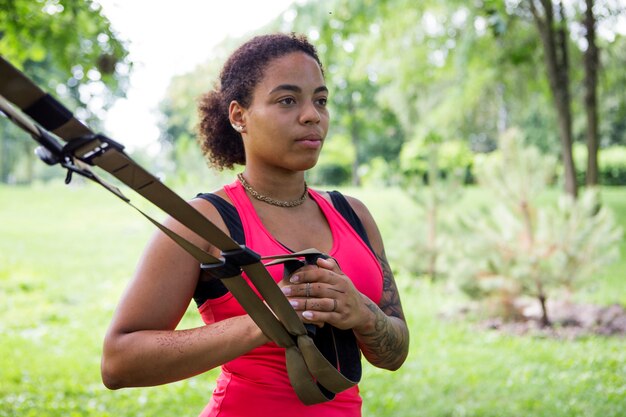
pixel 67 252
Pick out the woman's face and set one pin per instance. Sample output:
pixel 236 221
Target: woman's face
pixel 287 120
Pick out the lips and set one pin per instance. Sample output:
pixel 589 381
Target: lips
pixel 312 141
pixel 311 137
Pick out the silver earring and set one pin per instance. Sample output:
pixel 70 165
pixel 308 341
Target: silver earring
pixel 238 128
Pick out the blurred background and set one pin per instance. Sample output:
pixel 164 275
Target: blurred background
pixel 488 138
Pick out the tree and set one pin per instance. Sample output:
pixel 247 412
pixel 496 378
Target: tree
pixel 398 69
pixel 551 23
pixel 69 49
pixel 591 63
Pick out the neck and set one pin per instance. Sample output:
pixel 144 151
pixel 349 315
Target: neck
pixel 287 191
pixel 277 183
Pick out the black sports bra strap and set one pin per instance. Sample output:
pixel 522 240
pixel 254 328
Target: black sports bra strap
pixel 229 215
pixel 208 289
pixel 347 212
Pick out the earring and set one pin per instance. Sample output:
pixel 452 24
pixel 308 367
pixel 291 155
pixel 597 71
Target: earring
pixel 238 128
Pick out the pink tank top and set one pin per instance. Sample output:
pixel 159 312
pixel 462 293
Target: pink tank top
pixel 256 383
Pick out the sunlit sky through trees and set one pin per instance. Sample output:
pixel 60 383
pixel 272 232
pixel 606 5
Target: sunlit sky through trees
pixel 169 38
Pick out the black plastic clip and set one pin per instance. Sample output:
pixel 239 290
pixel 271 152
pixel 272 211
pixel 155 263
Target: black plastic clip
pixel 105 144
pixel 231 263
pixel 293 265
pixel 52 152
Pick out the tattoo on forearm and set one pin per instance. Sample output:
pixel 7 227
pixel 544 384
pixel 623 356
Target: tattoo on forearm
pixel 387 343
pixel 390 301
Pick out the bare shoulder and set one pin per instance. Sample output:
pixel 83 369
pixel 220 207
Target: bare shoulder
pixel 208 210
pixel 357 205
pixel 368 221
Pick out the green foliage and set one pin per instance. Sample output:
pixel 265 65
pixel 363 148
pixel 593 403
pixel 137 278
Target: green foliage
pixel 72 51
pixel 452 158
pixel 522 246
pixel 612 161
pixel 335 164
pixel 399 68
pixel 69 49
pixel 434 171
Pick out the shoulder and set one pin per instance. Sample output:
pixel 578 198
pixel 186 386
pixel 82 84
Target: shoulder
pixel 357 205
pixel 208 210
pixel 365 216
pixel 359 208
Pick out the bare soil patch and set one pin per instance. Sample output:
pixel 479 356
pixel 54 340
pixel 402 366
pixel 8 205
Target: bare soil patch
pixel 568 320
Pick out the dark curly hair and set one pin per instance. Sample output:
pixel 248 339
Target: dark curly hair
pixel 220 143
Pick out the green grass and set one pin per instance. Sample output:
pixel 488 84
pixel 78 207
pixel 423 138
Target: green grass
pixel 66 254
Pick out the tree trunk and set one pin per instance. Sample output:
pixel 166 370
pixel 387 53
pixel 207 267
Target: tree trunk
pixel 591 59
pixel 554 39
pixel 545 320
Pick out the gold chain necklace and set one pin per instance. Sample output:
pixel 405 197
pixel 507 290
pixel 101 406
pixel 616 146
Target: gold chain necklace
pixel 270 200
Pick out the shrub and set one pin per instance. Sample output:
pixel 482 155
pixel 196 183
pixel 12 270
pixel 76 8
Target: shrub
pixel 519 247
pixel 611 164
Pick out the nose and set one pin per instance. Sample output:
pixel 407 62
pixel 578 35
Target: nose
pixel 310 114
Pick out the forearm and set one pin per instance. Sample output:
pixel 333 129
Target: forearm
pixel 154 357
pixel 384 340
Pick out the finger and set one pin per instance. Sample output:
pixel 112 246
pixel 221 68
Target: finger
pixel 305 290
pixel 321 275
pixel 330 264
pixel 327 305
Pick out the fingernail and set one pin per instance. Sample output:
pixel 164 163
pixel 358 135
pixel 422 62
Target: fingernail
pixel 307 315
pixel 294 279
pixel 293 303
pixel 286 290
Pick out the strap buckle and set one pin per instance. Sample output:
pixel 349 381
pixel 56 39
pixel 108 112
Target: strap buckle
pixel 51 152
pixel 231 262
pixel 103 144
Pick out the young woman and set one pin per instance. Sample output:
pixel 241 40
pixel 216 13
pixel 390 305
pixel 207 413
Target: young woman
pixel 269 114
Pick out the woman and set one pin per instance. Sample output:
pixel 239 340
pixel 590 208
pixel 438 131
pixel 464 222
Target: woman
pixel 269 114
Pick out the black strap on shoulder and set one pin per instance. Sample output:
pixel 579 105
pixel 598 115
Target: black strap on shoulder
pixel 208 287
pixel 345 209
pixel 229 215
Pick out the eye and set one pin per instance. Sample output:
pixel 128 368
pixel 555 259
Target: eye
pixel 287 101
pixel 322 101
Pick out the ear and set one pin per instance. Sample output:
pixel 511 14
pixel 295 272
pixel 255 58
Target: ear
pixel 236 114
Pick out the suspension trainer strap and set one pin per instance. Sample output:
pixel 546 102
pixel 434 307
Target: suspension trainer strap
pixel 314 378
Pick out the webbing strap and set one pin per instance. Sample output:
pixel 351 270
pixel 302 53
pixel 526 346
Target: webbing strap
pixel 313 377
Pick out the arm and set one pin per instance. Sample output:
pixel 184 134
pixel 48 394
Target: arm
pixel 384 337
pixel 142 346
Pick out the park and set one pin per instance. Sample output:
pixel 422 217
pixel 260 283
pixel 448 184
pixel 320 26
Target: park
pixel 487 140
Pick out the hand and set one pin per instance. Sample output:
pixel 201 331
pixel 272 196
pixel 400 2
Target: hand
pixel 322 293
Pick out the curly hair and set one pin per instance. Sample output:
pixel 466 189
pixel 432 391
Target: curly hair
pixel 220 143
